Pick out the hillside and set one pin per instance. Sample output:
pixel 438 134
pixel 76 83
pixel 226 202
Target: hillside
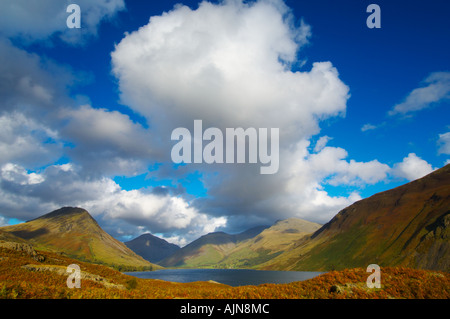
pixel 270 243
pixel 405 226
pixel 151 248
pixel 208 250
pixel 75 233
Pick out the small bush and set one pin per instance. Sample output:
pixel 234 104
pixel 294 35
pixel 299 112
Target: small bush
pixel 132 284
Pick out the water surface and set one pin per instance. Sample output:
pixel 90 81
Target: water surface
pixel 232 277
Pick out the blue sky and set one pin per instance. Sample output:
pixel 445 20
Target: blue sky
pixel 87 113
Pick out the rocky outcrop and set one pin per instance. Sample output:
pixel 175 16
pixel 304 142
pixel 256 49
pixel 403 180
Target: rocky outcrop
pixel 60 270
pixel 22 247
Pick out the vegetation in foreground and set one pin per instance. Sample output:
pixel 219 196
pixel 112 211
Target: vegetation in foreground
pixel 22 275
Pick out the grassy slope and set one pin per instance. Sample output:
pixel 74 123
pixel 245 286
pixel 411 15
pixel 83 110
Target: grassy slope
pixel 407 226
pixel 268 244
pixel 74 232
pixel 99 281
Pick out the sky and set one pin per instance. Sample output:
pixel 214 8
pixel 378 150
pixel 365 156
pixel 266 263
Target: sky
pixel 87 114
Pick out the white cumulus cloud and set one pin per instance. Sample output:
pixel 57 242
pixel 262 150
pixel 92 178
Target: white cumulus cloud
pixel 412 167
pixel 225 64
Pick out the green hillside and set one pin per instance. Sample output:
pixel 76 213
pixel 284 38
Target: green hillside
pixel 270 243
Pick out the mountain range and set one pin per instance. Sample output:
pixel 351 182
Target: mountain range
pixel 405 226
pixel 208 250
pixel 244 250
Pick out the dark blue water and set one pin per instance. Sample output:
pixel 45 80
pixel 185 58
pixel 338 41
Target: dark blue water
pixel 232 277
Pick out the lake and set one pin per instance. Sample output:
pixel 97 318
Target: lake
pixel 232 277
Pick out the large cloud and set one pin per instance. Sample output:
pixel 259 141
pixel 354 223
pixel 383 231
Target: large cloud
pixel 31 84
pixel 229 65
pixel 232 64
pixel 109 143
pixel 27 142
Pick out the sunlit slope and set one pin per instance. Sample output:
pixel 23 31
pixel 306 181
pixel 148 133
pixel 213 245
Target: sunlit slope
pixel 245 250
pixel 270 243
pixel 74 232
pixel 407 226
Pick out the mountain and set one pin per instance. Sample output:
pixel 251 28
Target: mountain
pixel 270 243
pixel 405 226
pixel 75 233
pixel 208 250
pixel 151 248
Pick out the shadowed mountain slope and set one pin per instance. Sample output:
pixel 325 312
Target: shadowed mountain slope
pixel 151 248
